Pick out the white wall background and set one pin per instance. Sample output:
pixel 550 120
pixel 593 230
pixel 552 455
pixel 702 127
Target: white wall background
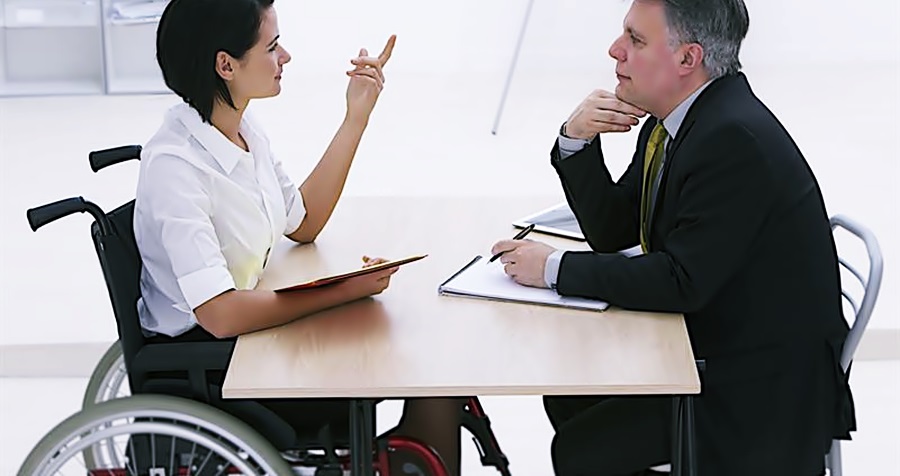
pixel 830 69
pixel 467 36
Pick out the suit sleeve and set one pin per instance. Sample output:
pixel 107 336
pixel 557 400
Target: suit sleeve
pixel 721 206
pixel 607 211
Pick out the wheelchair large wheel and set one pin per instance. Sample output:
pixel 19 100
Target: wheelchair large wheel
pixel 155 435
pixel 109 379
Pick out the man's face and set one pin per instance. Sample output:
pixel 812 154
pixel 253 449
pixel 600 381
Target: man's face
pixel 646 65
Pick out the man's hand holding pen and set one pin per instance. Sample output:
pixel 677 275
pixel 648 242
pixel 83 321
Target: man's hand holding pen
pixel 523 260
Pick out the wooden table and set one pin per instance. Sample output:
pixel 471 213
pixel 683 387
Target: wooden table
pixel 409 341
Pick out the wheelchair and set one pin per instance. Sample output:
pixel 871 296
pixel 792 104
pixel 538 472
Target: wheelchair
pixel 150 409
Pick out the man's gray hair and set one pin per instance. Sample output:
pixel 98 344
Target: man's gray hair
pixel 719 26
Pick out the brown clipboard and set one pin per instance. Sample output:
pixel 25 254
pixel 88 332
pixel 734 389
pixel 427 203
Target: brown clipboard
pixel 333 279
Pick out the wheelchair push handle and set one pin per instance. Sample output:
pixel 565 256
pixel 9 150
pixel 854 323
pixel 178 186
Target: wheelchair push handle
pixel 44 214
pixel 101 159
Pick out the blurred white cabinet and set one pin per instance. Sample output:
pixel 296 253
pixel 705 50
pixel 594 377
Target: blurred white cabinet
pixel 56 47
pixel 129 46
pixel 51 47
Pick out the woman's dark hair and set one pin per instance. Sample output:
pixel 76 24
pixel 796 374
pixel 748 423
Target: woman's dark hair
pixel 190 35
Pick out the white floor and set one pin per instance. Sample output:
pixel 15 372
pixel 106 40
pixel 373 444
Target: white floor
pixel 430 135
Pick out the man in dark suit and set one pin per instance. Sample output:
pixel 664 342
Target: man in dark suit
pixel 735 236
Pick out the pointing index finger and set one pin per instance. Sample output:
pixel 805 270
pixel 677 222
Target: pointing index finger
pixel 388 49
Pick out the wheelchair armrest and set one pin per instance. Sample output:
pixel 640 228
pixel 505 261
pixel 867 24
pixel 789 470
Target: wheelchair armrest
pixel 184 356
pixel 194 358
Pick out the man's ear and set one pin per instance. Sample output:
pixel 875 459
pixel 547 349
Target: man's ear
pixel 225 65
pixel 691 57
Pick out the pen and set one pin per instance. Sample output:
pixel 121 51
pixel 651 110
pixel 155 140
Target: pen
pixel 518 236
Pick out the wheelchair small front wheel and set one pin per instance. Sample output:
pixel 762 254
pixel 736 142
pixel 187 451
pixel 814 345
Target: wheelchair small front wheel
pixel 155 435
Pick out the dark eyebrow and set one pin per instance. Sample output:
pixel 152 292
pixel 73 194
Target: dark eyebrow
pixel 273 41
pixel 634 33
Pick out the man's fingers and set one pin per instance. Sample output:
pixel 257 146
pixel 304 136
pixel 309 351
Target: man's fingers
pixel 606 100
pixel 602 94
pixel 616 104
pixel 601 126
pixel 512 271
pixel 508 269
pixel 625 108
pixel 388 50
pixel 613 117
pixel 505 245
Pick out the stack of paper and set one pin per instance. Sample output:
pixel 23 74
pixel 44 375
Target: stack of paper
pixel 481 279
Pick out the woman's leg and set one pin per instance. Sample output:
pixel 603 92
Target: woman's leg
pixel 435 422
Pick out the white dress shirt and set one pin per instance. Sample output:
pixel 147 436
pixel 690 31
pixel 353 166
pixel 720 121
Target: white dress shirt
pixel 206 215
pixel 569 146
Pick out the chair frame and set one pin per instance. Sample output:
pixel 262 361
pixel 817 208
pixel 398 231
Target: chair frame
pixel 871 284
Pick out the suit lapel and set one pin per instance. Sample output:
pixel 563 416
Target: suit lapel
pixel 670 156
pixel 672 149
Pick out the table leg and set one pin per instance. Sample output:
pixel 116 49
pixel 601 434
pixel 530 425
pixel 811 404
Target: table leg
pixel 684 449
pixel 690 446
pixel 677 432
pixel 362 434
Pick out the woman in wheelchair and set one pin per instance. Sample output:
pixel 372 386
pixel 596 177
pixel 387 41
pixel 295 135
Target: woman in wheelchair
pixel 212 200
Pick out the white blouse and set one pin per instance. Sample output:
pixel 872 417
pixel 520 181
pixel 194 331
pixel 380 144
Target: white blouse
pixel 206 216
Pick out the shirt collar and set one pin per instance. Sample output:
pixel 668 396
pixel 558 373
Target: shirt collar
pixel 225 152
pixel 673 121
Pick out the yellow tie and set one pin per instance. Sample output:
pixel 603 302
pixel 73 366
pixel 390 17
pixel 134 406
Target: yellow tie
pixel 652 162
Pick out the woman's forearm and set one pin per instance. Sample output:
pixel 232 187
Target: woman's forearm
pixel 241 311
pixel 323 187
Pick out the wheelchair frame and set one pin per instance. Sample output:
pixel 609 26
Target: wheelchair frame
pixel 113 238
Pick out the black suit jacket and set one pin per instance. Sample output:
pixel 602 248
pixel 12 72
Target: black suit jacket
pixel 740 243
